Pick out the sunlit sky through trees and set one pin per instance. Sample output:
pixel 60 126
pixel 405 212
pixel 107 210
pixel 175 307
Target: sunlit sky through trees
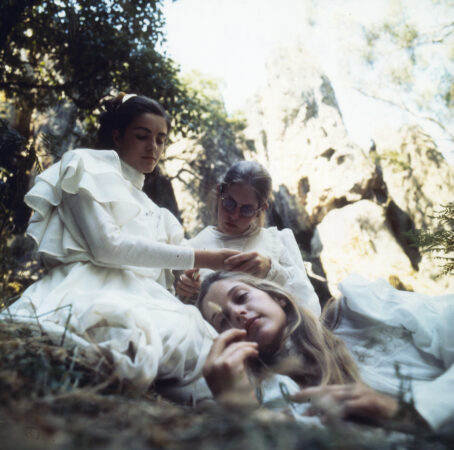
pixel 230 40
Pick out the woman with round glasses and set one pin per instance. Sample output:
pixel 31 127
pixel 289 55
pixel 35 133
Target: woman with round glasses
pixel 267 253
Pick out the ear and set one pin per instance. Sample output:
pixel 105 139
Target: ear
pixel 282 302
pixel 265 206
pixel 116 138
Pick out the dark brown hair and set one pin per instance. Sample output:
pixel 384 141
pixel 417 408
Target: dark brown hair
pixel 119 114
pixel 251 173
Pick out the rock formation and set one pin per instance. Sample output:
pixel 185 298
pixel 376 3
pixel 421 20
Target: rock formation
pixel 349 208
pixel 300 136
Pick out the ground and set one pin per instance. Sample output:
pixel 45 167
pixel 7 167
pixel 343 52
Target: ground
pixel 51 397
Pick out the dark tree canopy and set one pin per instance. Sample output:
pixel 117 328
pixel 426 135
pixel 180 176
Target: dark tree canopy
pixel 80 50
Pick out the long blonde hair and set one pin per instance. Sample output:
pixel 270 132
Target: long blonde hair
pixel 322 357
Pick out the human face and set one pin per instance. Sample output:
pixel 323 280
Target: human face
pixel 247 308
pixel 232 222
pixel 142 144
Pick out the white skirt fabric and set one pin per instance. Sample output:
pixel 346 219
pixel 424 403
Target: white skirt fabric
pixel 124 311
pixel 147 332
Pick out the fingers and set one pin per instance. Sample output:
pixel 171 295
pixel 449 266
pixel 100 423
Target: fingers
pixel 228 253
pixel 347 401
pixel 338 391
pixel 240 258
pixel 250 266
pixel 252 263
pixel 230 344
pixel 193 274
pixel 230 361
pixel 225 364
pixel 187 286
pixel 225 339
pixel 183 291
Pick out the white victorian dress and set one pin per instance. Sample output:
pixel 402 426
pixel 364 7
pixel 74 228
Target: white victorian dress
pixel 110 249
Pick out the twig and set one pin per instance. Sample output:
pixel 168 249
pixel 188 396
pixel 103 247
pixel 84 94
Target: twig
pixel 407 109
pixel 66 325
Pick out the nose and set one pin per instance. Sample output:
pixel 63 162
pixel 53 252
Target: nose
pixel 239 314
pixel 235 214
pixel 151 147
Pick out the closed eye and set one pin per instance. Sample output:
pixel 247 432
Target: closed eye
pixel 241 298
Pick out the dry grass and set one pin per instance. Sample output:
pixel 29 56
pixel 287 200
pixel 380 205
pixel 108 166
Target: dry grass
pixel 53 398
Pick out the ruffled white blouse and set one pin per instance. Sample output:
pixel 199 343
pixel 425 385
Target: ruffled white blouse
pixel 109 249
pixel 287 267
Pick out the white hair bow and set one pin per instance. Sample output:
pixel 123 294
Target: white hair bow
pixel 127 97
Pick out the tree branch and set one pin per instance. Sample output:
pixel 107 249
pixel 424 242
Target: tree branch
pixel 408 110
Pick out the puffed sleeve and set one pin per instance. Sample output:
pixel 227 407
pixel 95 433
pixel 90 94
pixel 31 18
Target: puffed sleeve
pixel 288 271
pixel 84 209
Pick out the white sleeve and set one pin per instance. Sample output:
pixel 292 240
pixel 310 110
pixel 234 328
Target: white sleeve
pixel 289 272
pixel 434 400
pixel 112 247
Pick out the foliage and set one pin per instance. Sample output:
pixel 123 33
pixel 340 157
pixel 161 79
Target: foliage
pixel 210 151
pixel 79 50
pixel 411 56
pixel 60 58
pixel 397 160
pixel 441 241
pixel 14 154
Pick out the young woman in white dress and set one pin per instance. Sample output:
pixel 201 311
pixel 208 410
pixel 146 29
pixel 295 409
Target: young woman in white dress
pixel 377 353
pixel 110 250
pixel 268 253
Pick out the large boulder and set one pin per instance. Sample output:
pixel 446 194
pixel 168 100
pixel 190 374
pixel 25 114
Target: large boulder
pixel 418 180
pixel 417 176
pixel 359 238
pixel 299 135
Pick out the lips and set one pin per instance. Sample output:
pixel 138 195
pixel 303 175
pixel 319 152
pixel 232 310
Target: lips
pixel 251 324
pixel 230 225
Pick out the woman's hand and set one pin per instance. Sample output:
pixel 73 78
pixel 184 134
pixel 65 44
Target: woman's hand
pixel 188 283
pixel 225 369
pixel 252 262
pixel 213 259
pixel 348 401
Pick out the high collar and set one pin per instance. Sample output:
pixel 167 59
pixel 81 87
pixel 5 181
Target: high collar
pixel 253 230
pixel 134 176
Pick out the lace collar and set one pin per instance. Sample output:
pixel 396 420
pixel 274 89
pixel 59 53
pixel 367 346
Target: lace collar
pixel 134 176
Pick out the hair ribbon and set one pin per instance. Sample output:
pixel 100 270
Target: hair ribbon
pixel 126 97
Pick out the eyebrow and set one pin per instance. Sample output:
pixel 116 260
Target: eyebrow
pixel 148 130
pixel 229 293
pixel 231 290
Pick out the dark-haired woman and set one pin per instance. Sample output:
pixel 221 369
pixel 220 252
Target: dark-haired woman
pixel 268 253
pixel 377 354
pixel 110 251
